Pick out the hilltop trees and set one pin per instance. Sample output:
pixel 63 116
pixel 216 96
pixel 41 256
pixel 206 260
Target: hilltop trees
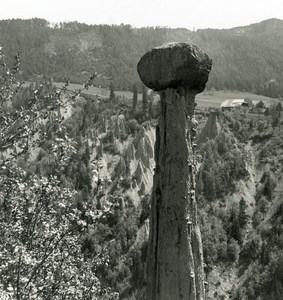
pixel 272 88
pixel 64 51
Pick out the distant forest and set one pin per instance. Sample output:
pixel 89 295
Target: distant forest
pixel 244 58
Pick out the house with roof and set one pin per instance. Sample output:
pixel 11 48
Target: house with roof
pixel 232 104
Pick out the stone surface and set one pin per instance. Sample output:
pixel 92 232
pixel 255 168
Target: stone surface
pixel 175 259
pixel 175 65
pixel 211 128
pixel 175 268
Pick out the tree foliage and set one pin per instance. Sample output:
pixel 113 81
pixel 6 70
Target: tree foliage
pixel 40 223
pixel 74 49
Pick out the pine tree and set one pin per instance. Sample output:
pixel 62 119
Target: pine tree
pixel 279 109
pixel 234 225
pixel 209 185
pixel 150 105
pixel 243 217
pixel 144 100
pixel 135 99
pixel 260 106
pixel 112 91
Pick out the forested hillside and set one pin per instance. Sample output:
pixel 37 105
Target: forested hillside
pixel 76 170
pixel 244 58
pixel 240 201
pixel 76 178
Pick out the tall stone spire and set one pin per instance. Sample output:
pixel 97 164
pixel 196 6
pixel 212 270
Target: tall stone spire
pixel 175 268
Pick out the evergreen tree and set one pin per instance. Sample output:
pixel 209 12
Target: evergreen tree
pixel 135 99
pixel 260 106
pixel 269 186
pixel 233 250
pixel 243 217
pixel 209 185
pixel 112 91
pixel 234 225
pixel 144 100
pixel 266 112
pixel 150 105
pixel 279 109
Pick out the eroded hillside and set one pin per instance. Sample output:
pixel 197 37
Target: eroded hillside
pixel 239 192
pixel 239 197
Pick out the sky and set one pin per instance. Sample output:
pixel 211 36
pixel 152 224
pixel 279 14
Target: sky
pixel 189 14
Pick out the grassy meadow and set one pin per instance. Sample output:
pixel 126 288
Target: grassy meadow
pixel 207 99
pixel 204 100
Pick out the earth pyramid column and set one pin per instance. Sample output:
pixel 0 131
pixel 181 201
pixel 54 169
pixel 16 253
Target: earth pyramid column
pixel 175 268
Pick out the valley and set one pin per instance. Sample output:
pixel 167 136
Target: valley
pixel 77 161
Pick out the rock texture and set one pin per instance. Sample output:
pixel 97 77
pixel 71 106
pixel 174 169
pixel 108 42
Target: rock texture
pixel 175 65
pixel 211 128
pixel 175 260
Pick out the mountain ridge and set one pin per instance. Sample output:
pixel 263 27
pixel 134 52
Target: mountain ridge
pixel 245 58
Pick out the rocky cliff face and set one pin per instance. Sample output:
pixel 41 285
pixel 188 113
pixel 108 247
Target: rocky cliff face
pixel 211 128
pixel 142 164
pixel 134 161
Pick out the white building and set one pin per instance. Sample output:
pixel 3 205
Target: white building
pixel 231 104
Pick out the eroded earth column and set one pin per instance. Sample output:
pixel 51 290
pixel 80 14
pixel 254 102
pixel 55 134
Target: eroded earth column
pixel 175 261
